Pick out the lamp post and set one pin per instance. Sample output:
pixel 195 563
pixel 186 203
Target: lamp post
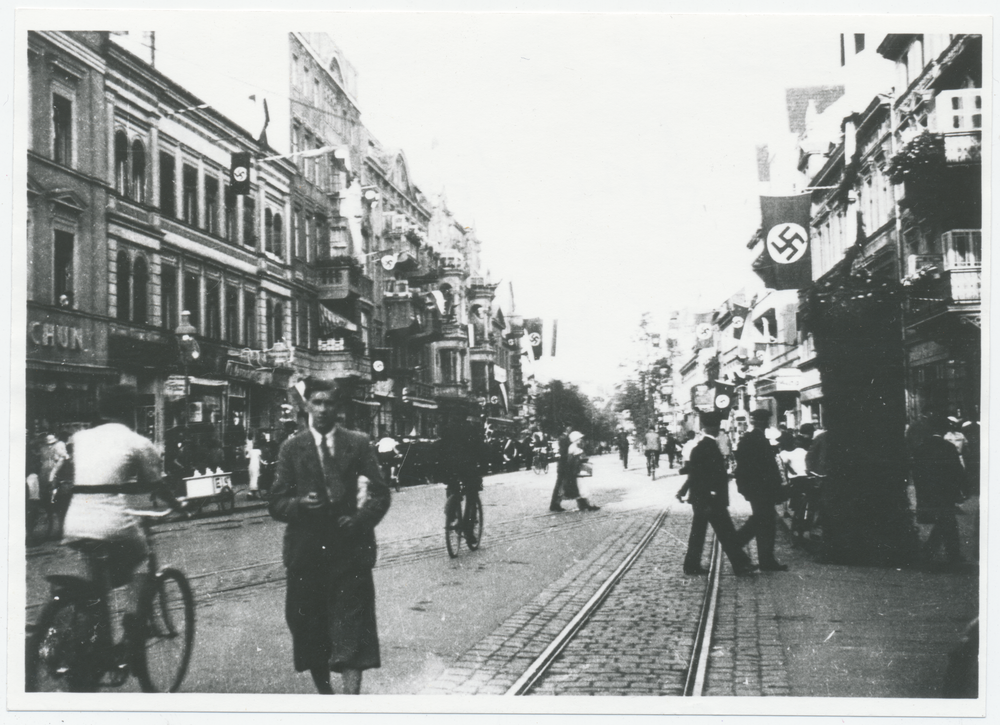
pixel 190 352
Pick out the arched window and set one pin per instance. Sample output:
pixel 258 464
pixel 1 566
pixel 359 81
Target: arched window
pixel 278 246
pixel 268 237
pixel 139 171
pixel 124 272
pixel 121 162
pixel 279 322
pixel 140 279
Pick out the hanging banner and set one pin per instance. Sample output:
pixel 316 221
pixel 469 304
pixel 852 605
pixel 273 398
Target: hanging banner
pixel 739 320
pixel 533 329
pixel 330 321
pixel 786 260
pixel 239 173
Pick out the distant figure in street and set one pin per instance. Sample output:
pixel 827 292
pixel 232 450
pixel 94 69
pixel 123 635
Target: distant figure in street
pixel 459 460
pixel 651 446
pixel 759 480
pixel 557 492
pixel 388 450
pixel 621 441
pixel 690 441
pixel 575 458
pixel 938 477
pixel 707 488
pixel 254 455
pixel 671 449
pixel 816 463
pixel 970 429
pixel 329 491
pixel 955 436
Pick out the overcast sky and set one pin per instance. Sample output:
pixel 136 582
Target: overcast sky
pixel 607 161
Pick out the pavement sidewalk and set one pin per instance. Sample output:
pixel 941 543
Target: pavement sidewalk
pixel 844 631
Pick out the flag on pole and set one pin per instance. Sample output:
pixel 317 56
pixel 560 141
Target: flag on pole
pixel 785 262
pixel 533 329
pixel 555 329
pixel 739 320
pixel 239 173
pixel 262 139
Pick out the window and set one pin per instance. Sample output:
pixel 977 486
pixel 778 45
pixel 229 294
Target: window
pixel 192 298
pixel 232 314
pixel 62 130
pixel 295 70
pixel 322 237
pixel 123 270
pixel 310 249
pixel 168 204
pixel 230 216
pixel 168 297
pixel 448 365
pixel 211 205
pixel 269 322
pixel 303 324
pixel 140 290
pixel 138 171
pixel 63 258
pixel 249 319
pixel 190 179
pixel 213 316
pixel 249 222
pixel 295 144
pixel 268 236
pixel 364 332
pixel 298 248
pixel 315 98
pixel 121 163
pixel 279 247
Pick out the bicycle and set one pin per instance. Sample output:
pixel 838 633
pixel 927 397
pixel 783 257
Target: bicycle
pixel 71 648
pixel 652 463
pixel 805 507
pixel 463 512
pixel 540 462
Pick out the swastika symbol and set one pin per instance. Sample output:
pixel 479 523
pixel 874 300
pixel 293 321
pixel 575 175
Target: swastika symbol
pixel 240 173
pixel 535 339
pixel 737 322
pixel 786 243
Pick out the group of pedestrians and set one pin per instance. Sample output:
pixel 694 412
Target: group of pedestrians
pixel 568 468
pixel 759 481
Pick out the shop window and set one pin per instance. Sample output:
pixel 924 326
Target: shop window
pixel 232 314
pixel 190 180
pixel 230 214
pixel 123 273
pixel 140 290
pixel 138 171
pixel 213 314
pixel 279 247
pixel 250 319
pixel 192 298
pixel 62 130
pixel 168 170
pixel 168 297
pixel 211 205
pixel 249 222
pixel 63 268
pixel 121 163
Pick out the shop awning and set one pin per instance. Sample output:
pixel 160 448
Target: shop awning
pixel 208 382
pixel 369 403
pixel 423 404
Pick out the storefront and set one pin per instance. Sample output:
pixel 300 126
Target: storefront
pixel 66 363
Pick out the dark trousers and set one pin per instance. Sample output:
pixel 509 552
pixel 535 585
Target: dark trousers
pixel 718 516
pixel 760 526
pixel 623 454
pixel 944 533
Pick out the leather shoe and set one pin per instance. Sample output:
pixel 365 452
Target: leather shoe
pixel 695 570
pixel 774 567
pixel 746 570
pixel 556 509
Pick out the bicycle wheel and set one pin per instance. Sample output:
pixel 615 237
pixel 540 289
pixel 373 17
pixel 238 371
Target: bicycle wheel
pixel 453 524
pixel 162 647
pixel 476 527
pixel 60 655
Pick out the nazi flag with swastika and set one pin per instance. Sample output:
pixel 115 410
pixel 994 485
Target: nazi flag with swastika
pixel 785 262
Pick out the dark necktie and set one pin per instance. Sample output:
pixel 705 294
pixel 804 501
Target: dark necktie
pixel 333 487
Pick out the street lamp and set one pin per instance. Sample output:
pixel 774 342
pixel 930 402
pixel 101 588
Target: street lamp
pixel 190 352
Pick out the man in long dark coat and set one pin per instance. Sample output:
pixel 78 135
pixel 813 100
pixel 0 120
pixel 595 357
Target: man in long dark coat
pixel 939 478
pixel 557 491
pixel 707 488
pixel 328 488
pixel 759 481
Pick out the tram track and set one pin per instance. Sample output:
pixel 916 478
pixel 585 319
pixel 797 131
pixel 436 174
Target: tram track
pixel 694 680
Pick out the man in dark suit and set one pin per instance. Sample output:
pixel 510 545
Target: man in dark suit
pixel 707 488
pixel 555 503
pixel 939 478
pixel 328 488
pixel 759 481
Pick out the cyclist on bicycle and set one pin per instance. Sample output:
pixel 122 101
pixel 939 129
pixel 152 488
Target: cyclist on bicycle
pixel 461 455
pixel 109 461
pixel 539 447
pixel 652 447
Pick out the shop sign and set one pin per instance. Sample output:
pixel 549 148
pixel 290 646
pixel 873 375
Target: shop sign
pixel 64 337
pixel 174 387
pixel 703 398
pixel 239 370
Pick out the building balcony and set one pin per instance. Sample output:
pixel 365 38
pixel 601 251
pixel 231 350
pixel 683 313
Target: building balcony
pixel 483 353
pixel 417 389
pixel 451 390
pixel 963 147
pixel 338 279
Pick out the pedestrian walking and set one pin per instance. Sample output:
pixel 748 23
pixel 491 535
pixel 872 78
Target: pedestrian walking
pixel 388 451
pixel 955 436
pixel 672 449
pixel 621 440
pixel 690 441
pixel 707 490
pixel 759 480
pixel 459 465
pixel 575 459
pixel 328 489
pixel 939 478
pixel 254 455
pixel 555 503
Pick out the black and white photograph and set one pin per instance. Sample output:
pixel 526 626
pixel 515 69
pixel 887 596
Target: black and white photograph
pixel 498 362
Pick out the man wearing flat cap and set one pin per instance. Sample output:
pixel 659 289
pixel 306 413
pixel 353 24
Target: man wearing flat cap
pixel 759 481
pixel 328 488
